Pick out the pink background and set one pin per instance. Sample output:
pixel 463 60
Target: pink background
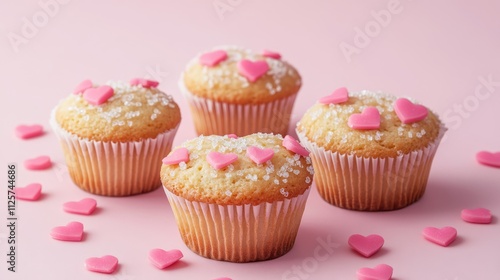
pixel 435 51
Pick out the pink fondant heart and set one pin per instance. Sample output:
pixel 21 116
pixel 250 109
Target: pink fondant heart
pixel 271 54
pixel 70 232
pixel 379 272
pixel 29 131
pixel 487 158
pixel 441 236
pixel 219 160
pixel 38 163
pixel 213 58
pixel 106 264
pixel 97 96
pixel 233 136
pixel 144 83
pixel 366 246
pixel 252 70
pixel 162 259
pixel 340 95
pixel 408 112
pixel 177 156
pixel 84 207
pixel 294 146
pixel 476 216
pixel 31 192
pixel 259 155
pixel 368 119
pixel 81 87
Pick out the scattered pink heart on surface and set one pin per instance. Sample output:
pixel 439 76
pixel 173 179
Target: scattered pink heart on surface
pixel 476 216
pixel 233 136
pixel 340 95
pixel 219 160
pixel 223 278
pixel 83 207
pixel 487 158
pixel 441 236
pixel 29 131
pixel 99 95
pixel 144 83
pixel 105 264
pixel 83 86
pixel 367 120
pixel 271 54
pixel 31 192
pixel 408 112
pixel 366 246
pixel 177 156
pixel 73 231
pixel 38 163
pixel 162 259
pixel 259 155
pixel 213 58
pixel 379 272
pixel 294 146
pixel 252 70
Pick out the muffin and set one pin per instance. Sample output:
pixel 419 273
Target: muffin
pixel 371 151
pixel 114 136
pixel 238 199
pixel 234 90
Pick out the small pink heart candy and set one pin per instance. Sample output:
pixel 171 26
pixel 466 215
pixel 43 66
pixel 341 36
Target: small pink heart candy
pixel 38 163
pixel 162 259
pixel 476 216
pixel 441 236
pixel 223 278
pixel 271 54
pixel 379 272
pixel 106 264
pixel 177 156
pixel 31 192
pixel 70 232
pixel 83 86
pixel 83 207
pixel 487 158
pixel 408 112
pixel 259 155
pixel 29 131
pixel 252 70
pixel 219 160
pixel 367 120
pixel 144 83
pixel 294 146
pixel 99 95
pixel 213 58
pixel 233 136
pixel 340 95
pixel 366 246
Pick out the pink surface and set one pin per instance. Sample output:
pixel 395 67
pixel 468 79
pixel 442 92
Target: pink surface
pixel 444 54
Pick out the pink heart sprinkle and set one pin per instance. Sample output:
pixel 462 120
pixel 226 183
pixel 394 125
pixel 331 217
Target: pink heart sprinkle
pixel 441 236
pixel 83 207
pixel 259 155
pixel 70 232
pixel 83 86
pixel 487 158
pixel 252 70
pixel 408 112
pixel 38 163
pixel 294 146
pixel 31 192
pixel 97 96
pixel 379 272
pixel 177 156
pixel 476 216
pixel 213 58
pixel 29 131
pixel 106 264
pixel 162 259
pixel 366 246
pixel 367 120
pixel 340 95
pixel 223 278
pixel 271 54
pixel 144 83
pixel 219 160
pixel 233 136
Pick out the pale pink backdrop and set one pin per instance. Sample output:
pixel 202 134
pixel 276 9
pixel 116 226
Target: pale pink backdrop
pixel 443 53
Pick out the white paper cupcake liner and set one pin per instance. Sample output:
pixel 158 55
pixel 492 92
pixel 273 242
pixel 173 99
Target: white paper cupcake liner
pixel 371 184
pixel 239 233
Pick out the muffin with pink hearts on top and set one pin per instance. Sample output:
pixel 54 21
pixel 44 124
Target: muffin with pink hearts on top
pixel 371 151
pixel 235 90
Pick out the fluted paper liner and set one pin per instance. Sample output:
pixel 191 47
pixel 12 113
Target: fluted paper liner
pixel 238 233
